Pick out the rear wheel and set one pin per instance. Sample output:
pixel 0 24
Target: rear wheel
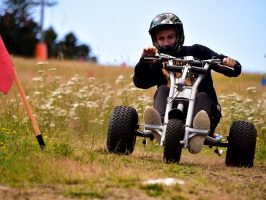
pixel 121 136
pixel 241 144
pixel 173 135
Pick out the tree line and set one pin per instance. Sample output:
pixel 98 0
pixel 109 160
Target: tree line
pixel 21 33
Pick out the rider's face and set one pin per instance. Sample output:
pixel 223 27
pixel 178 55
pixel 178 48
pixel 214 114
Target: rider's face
pixel 166 37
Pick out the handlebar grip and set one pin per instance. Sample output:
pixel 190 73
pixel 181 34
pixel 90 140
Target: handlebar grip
pixel 174 68
pixel 196 63
pixel 194 69
pixel 198 70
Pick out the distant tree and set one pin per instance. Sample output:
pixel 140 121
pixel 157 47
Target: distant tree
pixel 19 38
pixel 26 38
pixel 83 51
pixel 21 33
pixel 23 9
pixel 20 9
pixel 19 30
pixel 70 45
pixel 50 40
pixel 8 30
pixel 60 49
pixel 93 59
pixel 74 51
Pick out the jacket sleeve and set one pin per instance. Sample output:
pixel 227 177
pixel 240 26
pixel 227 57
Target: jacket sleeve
pixel 206 53
pixel 236 71
pixel 147 75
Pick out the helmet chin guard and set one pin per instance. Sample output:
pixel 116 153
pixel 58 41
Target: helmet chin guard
pixel 167 49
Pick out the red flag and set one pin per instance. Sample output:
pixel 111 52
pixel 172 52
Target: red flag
pixel 6 69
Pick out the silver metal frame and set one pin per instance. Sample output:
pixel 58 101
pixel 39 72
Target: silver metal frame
pixel 178 90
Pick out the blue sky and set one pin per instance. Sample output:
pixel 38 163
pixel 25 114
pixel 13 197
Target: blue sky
pixel 118 30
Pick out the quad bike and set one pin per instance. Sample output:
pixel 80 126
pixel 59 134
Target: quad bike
pixel 177 127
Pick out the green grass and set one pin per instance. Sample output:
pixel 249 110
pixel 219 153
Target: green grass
pixel 73 102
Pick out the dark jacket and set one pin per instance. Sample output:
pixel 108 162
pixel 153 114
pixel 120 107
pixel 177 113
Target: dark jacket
pixel 148 75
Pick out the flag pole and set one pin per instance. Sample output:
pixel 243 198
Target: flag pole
pixel 38 134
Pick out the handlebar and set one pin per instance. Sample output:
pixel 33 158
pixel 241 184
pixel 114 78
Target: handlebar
pixel 195 65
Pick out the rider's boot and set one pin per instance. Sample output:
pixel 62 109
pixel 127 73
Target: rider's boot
pixel 201 121
pixel 151 116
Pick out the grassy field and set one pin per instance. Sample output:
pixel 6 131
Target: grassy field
pixel 72 103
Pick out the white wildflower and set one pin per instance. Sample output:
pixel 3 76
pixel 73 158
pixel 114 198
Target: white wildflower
pixel 52 69
pixel 91 104
pixel 57 78
pixel 250 118
pixel 37 79
pixel 75 105
pixel 119 79
pixel 251 89
pixel 36 93
pixel 41 71
pixel 60 112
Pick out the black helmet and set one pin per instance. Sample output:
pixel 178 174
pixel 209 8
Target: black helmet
pixel 167 20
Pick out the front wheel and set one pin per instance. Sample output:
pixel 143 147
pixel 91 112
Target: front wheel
pixel 241 144
pixel 173 135
pixel 121 136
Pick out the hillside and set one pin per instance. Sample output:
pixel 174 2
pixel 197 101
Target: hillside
pixel 72 103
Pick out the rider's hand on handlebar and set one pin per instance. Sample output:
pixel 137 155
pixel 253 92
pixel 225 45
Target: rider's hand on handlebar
pixel 229 62
pixel 149 51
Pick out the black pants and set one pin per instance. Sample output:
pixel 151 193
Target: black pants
pixel 202 102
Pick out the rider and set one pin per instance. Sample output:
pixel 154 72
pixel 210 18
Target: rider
pixel 167 34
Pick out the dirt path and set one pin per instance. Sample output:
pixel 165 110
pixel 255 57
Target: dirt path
pixel 204 176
